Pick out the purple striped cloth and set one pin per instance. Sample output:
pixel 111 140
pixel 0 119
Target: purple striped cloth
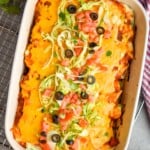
pixel 146 76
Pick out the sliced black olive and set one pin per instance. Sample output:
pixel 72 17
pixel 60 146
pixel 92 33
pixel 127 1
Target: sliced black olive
pixel 68 53
pixel 92 44
pixel 91 79
pixel 55 138
pixel 84 95
pixel 43 133
pixel 59 95
pixel 42 141
pixel 91 51
pixel 100 30
pixel 94 16
pixel 55 119
pixel 70 142
pixel 72 9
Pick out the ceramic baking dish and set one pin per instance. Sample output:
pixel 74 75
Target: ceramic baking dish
pixel 132 86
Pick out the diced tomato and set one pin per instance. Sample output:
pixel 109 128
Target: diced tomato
pixel 87 14
pixel 76 145
pixel 74 98
pixel 68 114
pixel 85 28
pixel 80 16
pixel 76 71
pixel 83 122
pixel 87 25
pixel 91 98
pixel 45 146
pixel 78 50
pixel 66 101
pixel 83 140
pixel 47 92
pixel 65 62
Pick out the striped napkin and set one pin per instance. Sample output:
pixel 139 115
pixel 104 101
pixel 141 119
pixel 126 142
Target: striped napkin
pixel 146 76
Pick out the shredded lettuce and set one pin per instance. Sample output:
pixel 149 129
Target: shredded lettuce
pixel 54 107
pixel 89 113
pixel 88 5
pixel 47 83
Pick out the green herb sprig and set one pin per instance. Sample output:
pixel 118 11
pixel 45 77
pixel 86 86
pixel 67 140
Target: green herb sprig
pixel 10 6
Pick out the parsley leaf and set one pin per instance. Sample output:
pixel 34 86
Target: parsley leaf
pixel 108 53
pixel 62 16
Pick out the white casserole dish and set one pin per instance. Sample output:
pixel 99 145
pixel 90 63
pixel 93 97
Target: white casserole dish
pixel 132 87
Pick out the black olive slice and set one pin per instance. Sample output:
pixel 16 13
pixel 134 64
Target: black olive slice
pixel 70 142
pixel 92 44
pixel 100 30
pixel 55 119
pixel 71 9
pixel 68 53
pixel 91 79
pixel 94 16
pixel 84 95
pixel 55 138
pixel 59 95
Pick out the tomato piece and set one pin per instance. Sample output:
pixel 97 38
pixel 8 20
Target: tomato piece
pixel 83 140
pixel 65 62
pixel 91 98
pixel 76 145
pixel 83 122
pixel 78 51
pixel 75 71
pixel 66 117
pixel 66 100
pixel 45 146
pixel 68 114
